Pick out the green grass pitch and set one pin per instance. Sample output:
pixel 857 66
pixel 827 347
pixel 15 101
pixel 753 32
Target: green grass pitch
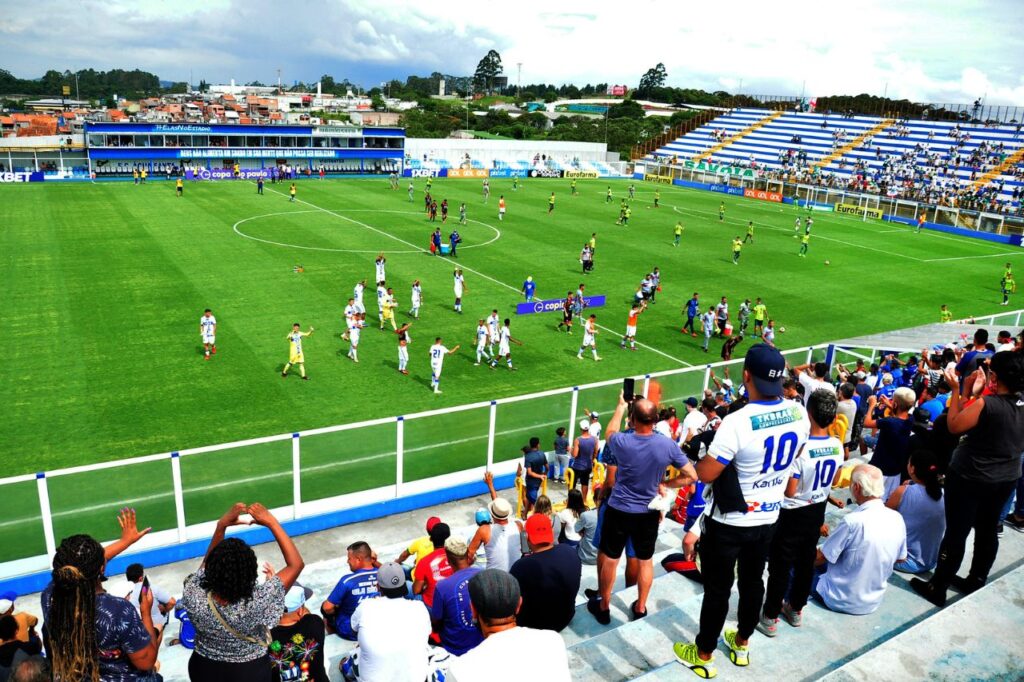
pixel 104 285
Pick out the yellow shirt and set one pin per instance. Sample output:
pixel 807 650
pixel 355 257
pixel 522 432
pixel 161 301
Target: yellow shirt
pixel 945 316
pixel 295 347
pixel 737 245
pixel 420 547
pixel 178 183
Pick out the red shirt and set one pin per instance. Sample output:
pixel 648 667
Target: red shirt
pixel 431 569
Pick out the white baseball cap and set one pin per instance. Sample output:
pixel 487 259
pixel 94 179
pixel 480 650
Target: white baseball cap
pixel 585 424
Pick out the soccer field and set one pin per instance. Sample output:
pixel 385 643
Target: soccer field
pixel 105 284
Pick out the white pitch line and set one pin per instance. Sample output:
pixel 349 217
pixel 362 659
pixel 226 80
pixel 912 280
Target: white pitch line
pixel 1005 254
pixel 468 269
pixel 279 474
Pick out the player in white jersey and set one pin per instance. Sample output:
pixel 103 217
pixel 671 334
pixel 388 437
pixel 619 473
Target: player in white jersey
pixel 354 332
pixel 487 190
pixel 589 338
pixel 796 227
pixel 412 190
pixel 494 329
pixel 483 334
pixel 350 312
pixel 382 294
pixel 792 553
pixel 357 295
pixel 758 443
pixel 417 299
pixel 504 348
pixel 437 355
pixel 208 331
pixel 403 347
pixel 459 286
pixel 378 266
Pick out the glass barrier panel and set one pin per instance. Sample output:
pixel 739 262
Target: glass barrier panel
pixel 213 481
pixel 348 461
pixel 22 525
pixel 517 422
pixel 445 443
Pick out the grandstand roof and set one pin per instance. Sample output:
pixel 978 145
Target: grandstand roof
pixel 913 339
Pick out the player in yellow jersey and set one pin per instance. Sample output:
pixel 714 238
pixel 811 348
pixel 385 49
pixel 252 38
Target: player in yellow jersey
pixel 737 246
pixel 572 186
pixel 804 241
pixel 750 232
pixel 179 187
pixel 677 233
pixel 551 203
pixel 945 314
pixel 388 304
pixel 295 356
pixel 291 193
pixel 721 211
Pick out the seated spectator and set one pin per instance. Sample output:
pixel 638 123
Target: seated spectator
pixel 509 653
pixel 186 632
pixel 565 521
pixel 920 503
pixel 451 613
pixel 892 443
pixel 420 547
pixel 549 578
pixel 231 613
pixel 91 634
pixel 297 642
pixel 13 651
pixel 860 553
pixel 353 588
pixel 163 602
pixel 434 566
pixel 26 621
pixel 587 528
pixel 500 538
pixel 34 669
pixel 392 632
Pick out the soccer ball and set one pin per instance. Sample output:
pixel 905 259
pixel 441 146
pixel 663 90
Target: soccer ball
pixel 828 263
pixel 782 330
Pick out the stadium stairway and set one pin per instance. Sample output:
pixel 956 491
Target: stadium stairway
pixel 738 136
pixel 998 171
pixel 855 143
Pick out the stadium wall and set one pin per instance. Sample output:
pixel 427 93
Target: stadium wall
pixel 488 151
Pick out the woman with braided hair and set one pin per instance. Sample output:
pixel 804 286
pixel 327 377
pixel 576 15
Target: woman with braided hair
pixel 231 613
pixel 92 636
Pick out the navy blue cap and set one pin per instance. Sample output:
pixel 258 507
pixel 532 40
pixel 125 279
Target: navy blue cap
pixel 767 367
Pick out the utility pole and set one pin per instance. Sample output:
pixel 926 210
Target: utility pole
pixel 279 91
pixel 519 79
pixel 77 97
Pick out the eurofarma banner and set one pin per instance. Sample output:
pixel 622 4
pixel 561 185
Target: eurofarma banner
pixel 553 304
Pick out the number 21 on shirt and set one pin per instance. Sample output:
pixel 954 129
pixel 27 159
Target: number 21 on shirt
pixel 779 455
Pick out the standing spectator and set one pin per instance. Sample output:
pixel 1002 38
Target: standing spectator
pixel 693 422
pixel 893 441
pixel 90 634
pixel 26 621
pixel 812 377
pixel 848 408
pixel 747 465
pixel 233 615
pixel 584 448
pixel 451 613
pixel 794 545
pixel 12 650
pixel 722 315
pixel 641 457
pixel 920 504
pixel 420 547
pixel 434 566
pixel 562 455
pixel 297 642
pixel 509 653
pixel 500 538
pixel 353 588
pixel 163 602
pixel 707 323
pixel 535 464
pixel 549 578
pixel 982 474
pixel 860 553
pixel 392 632
pixel 692 310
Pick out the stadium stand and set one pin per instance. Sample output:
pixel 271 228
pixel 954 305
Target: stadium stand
pixel 976 166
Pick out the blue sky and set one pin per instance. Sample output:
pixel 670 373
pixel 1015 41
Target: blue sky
pixel 924 50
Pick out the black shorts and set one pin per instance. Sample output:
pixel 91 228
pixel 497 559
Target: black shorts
pixel 581 477
pixel 567 317
pixel 619 526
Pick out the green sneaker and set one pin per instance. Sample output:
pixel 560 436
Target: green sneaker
pixel 687 655
pixel 740 655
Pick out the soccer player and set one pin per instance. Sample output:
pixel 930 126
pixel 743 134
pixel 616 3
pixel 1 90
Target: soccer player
pixel 208 331
pixel 945 314
pixel 590 332
pixel 462 213
pixel 1007 286
pixel 501 207
pixel 433 211
pixel 295 356
pixel 579 302
pixel 487 190
pixel 389 309
pixel 482 337
pixel 572 187
pixel 630 336
pixel 444 211
pixel 437 355
pixel 707 322
pixel 1008 276
pixel 350 315
pixel 722 315
pixel 179 187
pixel 796 227
pixel 515 183
pixel 721 211
pixel 357 295
pixel 657 197
pixel 291 193
pixel 529 287
pixel 403 347
pixel 608 195
pixel 750 232
pixel 551 203
pixel 808 224
pixel 354 332
pixel 920 222
pixel 760 315
pixel 411 191
pixel 494 330
pixel 737 245
pixel 430 183
pixel 259 186
pixel 677 233
pixel 692 311
pixel 625 216
pixel 744 314
pixel 382 293
pixel 459 286
pixel 417 299
pixel 769 333
pixel 504 349
pixel 567 312
pixel 632 190
pixel 379 268
pixel 593 242
pixel 804 241
pixel 656 282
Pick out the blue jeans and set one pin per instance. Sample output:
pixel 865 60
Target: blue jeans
pixel 911 566
pixel 1016 507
